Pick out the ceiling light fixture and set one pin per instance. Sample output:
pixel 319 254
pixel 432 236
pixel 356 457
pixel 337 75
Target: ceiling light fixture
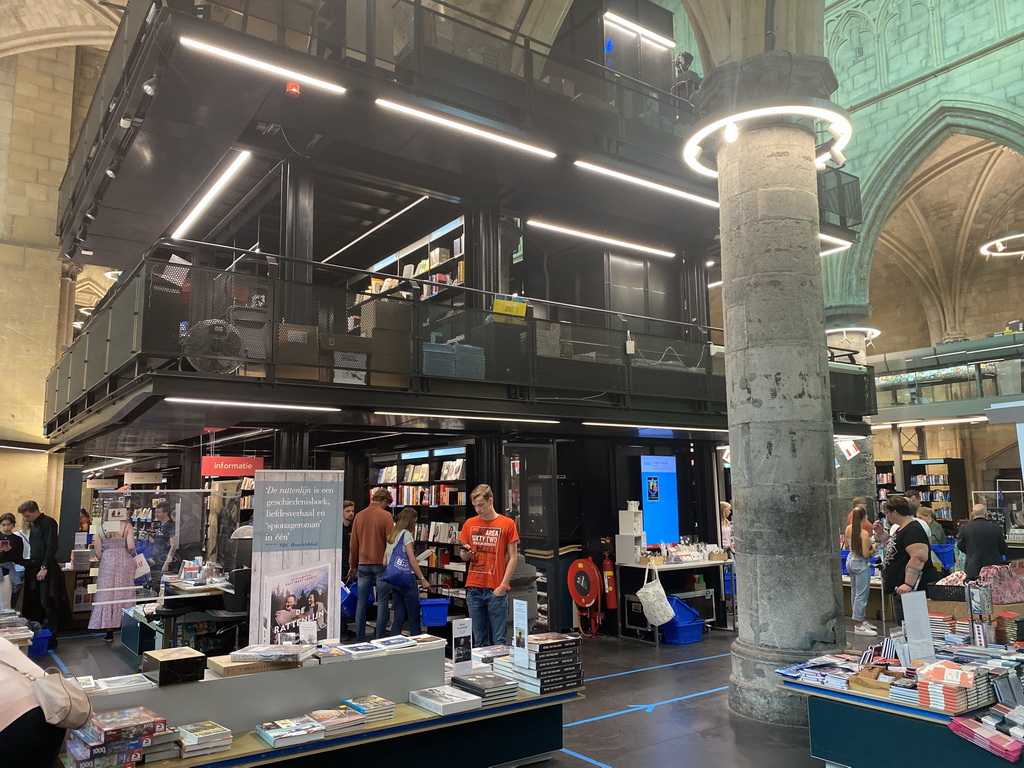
pixel 462 416
pixel 645 183
pixel 113 169
pixel 850 437
pixel 839 127
pixel 151 86
pixel 1001 246
pixel 652 426
pixel 263 66
pixel 942 422
pixel 840 243
pixel 113 274
pixel 240 159
pixel 599 238
pixel 240 404
pixel 373 229
pixel 715 284
pixel 91 213
pixel 6 447
pixel 86 310
pixel 78 324
pixel 466 128
pixel 709 263
pixel 116 463
pixel 646 34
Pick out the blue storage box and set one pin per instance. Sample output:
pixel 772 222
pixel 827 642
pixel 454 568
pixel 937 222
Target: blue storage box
pixel 945 554
pixel 685 614
pixel 683 634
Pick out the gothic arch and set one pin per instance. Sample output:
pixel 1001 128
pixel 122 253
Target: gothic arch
pixel 995 123
pixel 34 25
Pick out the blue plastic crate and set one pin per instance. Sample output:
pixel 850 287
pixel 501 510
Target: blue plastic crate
pixel 685 614
pixel 40 643
pixel 683 634
pixel 434 611
pixel 842 560
pixel 945 554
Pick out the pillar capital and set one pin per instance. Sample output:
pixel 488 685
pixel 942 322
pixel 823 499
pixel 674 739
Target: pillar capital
pixel 70 270
pixel 730 88
pixel 847 316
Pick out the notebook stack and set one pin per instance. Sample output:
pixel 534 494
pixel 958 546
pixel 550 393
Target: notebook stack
pixel 160 746
pixel 1009 628
pixel 488 653
pixel 375 707
pixel 112 739
pixel 490 687
pixel 203 738
pixel 338 720
pixel 903 691
pixel 553 664
pixel 941 625
pixel 444 700
pixel 987 737
pixel 289 731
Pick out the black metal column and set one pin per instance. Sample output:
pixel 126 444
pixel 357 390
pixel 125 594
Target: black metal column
pixel 297 218
pixel 486 267
pixel 291 448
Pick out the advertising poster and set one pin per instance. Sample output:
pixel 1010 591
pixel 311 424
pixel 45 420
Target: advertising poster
pixel 660 500
pixel 520 656
pixel 462 646
pixel 296 557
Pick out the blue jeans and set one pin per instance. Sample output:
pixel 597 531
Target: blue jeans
pixel 489 614
pixel 367 577
pixel 407 606
pixel 859 571
pixel 383 603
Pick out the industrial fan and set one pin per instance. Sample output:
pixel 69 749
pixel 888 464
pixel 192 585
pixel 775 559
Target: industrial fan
pixel 214 346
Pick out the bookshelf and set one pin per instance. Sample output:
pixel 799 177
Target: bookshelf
pixel 439 257
pixel 942 483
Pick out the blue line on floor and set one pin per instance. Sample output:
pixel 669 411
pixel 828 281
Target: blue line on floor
pixel 660 666
pixel 60 663
pixel 646 707
pixel 79 637
pixel 586 759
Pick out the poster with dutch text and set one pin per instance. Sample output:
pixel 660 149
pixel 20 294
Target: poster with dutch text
pixel 520 656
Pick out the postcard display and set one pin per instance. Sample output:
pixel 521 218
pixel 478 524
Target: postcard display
pixel 296 557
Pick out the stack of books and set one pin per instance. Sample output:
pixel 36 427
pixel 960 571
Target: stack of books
pixel 428 641
pixel 490 687
pixel 941 625
pixel 396 644
pixel 81 559
pixel 374 707
pixel 904 691
pixel 488 653
pixel 553 664
pixel 113 738
pixel 444 700
pixel 76 754
pixel 123 684
pixel 293 730
pixel 223 666
pixel 330 654
pixel 338 720
pixel 203 738
pixel 281 653
pixel 987 737
pixel 160 746
pixel 1009 628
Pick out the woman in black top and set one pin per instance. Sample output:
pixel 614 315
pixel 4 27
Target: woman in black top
pixel 907 563
pixel 12 552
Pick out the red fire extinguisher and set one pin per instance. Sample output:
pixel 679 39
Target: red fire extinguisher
pixel 611 600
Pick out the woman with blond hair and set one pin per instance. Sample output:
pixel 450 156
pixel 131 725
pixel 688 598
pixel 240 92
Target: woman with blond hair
pixel 405 599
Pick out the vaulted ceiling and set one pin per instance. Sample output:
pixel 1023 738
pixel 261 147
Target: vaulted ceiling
pixel 31 25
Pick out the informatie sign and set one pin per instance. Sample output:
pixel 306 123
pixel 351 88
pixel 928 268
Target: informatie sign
pixel 296 562
pixel 231 466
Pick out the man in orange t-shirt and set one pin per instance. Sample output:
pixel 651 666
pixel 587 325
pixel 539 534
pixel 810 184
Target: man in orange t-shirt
pixel 490 544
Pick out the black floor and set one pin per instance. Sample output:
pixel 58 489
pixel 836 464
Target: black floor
pixel 644 706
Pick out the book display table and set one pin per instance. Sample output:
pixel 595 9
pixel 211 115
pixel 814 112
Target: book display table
pixel 529 727
pixel 854 729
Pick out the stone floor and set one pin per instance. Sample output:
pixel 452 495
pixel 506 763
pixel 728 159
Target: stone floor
pixel 644 706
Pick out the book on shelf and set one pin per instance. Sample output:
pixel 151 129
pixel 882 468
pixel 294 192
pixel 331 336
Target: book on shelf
pixel 294 653
pixel 338 719
pixel 445 700
pixel 373 706
pixel 206 730
pixel 453 469
pixel 292 730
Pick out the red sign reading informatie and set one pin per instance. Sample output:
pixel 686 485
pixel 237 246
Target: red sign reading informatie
pixel 232 466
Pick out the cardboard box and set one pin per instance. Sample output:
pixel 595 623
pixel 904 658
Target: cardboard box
pixel 172 666
pixel 300 372
pixel 341 342
pixel 392 351
pixel 297 345
pixel 398 381
pixel 385 314
pixel 225 667
pixel 349 368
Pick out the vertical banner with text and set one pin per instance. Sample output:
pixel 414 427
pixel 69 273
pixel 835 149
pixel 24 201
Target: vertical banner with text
pixel 296 557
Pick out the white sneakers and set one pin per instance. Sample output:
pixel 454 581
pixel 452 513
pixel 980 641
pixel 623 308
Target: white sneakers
pixel 865 629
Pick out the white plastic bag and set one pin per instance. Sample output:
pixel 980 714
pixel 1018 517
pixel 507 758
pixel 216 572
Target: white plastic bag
pixel 655 604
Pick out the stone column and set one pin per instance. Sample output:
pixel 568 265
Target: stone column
pixel 855 477
pixel 780 421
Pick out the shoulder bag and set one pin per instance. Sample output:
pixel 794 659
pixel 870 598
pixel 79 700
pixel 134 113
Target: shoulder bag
pixel 63 701
pixel 398 572
pixel 654 601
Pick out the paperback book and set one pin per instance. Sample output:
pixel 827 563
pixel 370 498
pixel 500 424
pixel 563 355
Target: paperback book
pixel 293 653
pixel 396 644
pixel 330 654
pixel 295 730
pixel 340 719
pixel 445 700
pixel 374 707
pixel 197 733
pixel 364 650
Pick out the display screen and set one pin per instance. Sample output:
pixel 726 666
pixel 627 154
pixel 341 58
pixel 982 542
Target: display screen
pixel 659 499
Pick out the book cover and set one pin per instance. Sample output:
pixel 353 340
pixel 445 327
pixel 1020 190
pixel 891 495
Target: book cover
pixel 396 643
pixel 338 718
pixel 80 754
pixel 123 683
pixel 207 730
pixel 329 654
pixel 444 700
pixel 292 730
pixel 428 641
pixel 484 681
pixel 489 653
pixel 369 704
pixel 225 667
pixel 119 724
pixel 293 653
pixel 551 640
pixel 364 650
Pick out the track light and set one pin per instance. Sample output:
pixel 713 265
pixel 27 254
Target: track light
pixel 113 169
pixel 151 86
pixel 91 213
pixel 70 252
pixel 81 234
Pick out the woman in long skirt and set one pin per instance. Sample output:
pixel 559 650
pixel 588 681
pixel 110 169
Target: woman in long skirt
pixel 115 586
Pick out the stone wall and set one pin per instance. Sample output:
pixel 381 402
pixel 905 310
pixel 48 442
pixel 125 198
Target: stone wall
pixel 35 119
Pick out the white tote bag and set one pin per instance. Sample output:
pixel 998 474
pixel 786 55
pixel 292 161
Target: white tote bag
pixel 655 604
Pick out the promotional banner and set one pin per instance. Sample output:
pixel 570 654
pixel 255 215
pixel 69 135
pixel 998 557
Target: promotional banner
pixel 296 558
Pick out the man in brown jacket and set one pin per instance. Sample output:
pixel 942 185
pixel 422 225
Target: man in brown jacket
pixel 366 547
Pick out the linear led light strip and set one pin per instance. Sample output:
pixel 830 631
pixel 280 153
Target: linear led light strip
pixel 370 231
pixel 652 426
pixel 274 406
pixel 463 416
pixel 632 26
pixel 240 159
pixel 465 128
pixel 263 66
pixel 599 238
pixel 116 463
pixel 933 423
pixel 839 127
pixel 972 351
